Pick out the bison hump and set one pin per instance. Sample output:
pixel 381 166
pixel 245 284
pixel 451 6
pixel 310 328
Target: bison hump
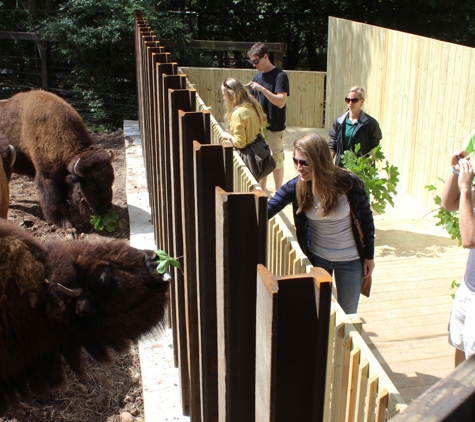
pixel 19 265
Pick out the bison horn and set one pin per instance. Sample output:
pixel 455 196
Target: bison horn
pixel 111 154
pixel 77 172
pixel 13 154
pixel 70 292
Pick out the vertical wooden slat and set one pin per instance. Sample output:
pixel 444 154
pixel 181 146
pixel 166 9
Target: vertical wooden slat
pixel 178 100
pixel 240 246
pixel 361 391
pixel 355 356
pixel 371 399
pixel 212 166
pixel 193 126
pixel 292 318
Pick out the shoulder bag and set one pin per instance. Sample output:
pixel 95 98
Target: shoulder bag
pixel 258 158
pixel 359 239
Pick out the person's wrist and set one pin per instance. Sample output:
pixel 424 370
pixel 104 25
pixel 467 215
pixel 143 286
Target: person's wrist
pixel 454 170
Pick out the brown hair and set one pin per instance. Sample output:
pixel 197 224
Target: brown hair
pixel 258 49
pixel 328 181
pixel 237 95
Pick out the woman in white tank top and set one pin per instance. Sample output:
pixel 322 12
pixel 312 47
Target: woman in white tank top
pixel 323 196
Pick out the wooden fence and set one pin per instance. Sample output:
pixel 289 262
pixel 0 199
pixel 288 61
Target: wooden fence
pixel 294 356
pixel 305 105
pixel 420 90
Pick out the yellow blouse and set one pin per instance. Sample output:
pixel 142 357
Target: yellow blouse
pixel 244 125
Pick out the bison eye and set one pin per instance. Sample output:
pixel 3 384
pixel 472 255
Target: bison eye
pixel 105 278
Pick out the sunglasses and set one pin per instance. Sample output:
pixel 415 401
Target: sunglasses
pixel 226 85
pixel 297 162
pixel 255 61
pixel 352 100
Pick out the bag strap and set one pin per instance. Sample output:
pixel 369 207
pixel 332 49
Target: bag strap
pixel 356 222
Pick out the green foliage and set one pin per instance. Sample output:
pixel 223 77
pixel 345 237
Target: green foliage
pixel 95 37
pixel 165 261
pixel 380 190
pixel 449 220
pixel 109 222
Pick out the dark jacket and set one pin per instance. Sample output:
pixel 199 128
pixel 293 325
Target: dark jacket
pixel 367 134
pixel 357 198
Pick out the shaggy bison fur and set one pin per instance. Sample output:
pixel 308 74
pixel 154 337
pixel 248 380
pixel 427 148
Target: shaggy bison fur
pixel 7 158
pixel 59 297
pixel 53 146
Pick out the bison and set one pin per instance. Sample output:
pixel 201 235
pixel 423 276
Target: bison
pixel 7 158
pixel 60 297
pixel 54 146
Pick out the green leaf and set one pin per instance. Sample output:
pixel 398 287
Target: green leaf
pixel 380 189
pixel 109 222
pixel 165 261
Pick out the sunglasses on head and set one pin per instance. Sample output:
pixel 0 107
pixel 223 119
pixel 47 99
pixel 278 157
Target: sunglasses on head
pixel 352 100
pixel 226 85
pixel 297 162
pixel 255 61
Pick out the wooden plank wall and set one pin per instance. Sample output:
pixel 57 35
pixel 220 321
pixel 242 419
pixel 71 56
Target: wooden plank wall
pixel 420 90
pixel 304 105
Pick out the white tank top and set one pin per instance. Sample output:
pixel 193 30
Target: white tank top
pixel 332 236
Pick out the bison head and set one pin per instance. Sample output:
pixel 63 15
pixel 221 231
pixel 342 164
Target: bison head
pixel 107 294
pixel 92 171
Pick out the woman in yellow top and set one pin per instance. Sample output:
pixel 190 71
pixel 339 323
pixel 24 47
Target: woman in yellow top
pixel 245 119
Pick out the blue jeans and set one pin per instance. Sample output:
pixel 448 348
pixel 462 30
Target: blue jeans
pixel 348 280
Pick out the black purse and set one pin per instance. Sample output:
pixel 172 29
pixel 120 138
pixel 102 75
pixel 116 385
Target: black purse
pixel 258 158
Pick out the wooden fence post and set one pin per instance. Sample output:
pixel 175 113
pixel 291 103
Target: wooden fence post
pixel 293 319
pixel 241 236
pixel 178 100
pixel 193 126
pixel 163 206
pixel 213 166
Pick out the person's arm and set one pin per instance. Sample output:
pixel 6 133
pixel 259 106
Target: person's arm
pixel 279 99
pixel 283 197
pixel 375 135
pixel 466 215
pixel 333 134
pixel 358 194
pixel 451 192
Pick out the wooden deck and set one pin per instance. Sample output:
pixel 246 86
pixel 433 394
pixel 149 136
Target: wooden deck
pixel 405 320
pixel 406 317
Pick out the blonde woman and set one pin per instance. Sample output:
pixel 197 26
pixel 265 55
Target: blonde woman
pixel 244 117
pixel 354 127
pixel 323 196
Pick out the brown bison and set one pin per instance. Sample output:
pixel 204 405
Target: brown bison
pixel 7 158
pixel 53 145
pixel 57 298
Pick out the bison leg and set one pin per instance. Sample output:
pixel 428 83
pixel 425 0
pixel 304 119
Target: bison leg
pixel 53 201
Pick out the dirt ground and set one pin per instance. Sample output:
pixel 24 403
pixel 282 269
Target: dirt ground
pixel 112 392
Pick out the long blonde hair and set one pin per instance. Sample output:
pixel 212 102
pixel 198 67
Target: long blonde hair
pixel 328 180
pixel 237 95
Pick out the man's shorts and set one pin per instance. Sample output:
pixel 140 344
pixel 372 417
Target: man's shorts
pixel 462 320
pixel 275 140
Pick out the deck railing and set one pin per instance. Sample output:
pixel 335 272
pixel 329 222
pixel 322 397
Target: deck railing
pixel 207 207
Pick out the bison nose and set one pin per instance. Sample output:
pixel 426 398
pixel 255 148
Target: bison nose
pixel 166 276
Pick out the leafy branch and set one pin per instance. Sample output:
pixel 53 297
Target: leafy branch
pixel 109 222
pixel 380 190
pixel 165 261
pixel 449 220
